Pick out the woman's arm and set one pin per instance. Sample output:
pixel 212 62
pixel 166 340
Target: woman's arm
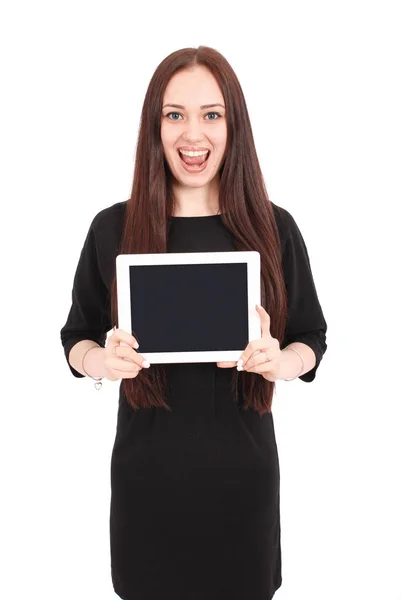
pixel 89 317
pixel 291 363
pixel 306 325
pixel 94 363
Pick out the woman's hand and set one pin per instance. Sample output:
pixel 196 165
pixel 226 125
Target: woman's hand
pixel 261 356
pixel 122 361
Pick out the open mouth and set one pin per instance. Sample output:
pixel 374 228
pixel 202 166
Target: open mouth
pixel 194 163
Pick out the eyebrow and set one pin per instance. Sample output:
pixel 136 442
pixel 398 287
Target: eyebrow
pixel 202 107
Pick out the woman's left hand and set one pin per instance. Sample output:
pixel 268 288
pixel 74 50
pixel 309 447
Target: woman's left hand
pixel 261 356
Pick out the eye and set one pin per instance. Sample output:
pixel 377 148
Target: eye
pixel 209 113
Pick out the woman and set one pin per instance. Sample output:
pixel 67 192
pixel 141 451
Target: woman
pixel 195 476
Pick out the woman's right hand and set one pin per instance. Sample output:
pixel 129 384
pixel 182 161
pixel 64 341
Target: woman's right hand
pixel 121 360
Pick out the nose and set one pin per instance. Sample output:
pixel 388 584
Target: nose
pixel 193 132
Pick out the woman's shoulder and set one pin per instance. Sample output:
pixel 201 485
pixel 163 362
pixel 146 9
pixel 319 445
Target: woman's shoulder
pixel 285 221
pixel 107 228
pixel 109 218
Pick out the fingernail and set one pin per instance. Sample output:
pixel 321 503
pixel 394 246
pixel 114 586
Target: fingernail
pixel 136 345
pixel 146 364
pixel 240 362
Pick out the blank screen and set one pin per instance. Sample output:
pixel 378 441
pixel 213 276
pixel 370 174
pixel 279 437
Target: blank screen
pixel 189 308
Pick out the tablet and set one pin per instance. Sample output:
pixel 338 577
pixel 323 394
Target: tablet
pixel 191 306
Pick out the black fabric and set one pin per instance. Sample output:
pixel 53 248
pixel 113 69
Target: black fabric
pixel 305 321
pixel 195 503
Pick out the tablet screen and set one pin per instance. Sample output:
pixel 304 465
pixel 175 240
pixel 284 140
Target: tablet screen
pixel 189 307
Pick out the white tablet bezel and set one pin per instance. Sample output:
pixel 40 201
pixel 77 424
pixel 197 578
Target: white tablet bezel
pixel 251 258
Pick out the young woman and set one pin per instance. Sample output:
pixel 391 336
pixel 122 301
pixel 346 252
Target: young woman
pixel 195 504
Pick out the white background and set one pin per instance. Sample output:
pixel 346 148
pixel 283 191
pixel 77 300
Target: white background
pixel 322 85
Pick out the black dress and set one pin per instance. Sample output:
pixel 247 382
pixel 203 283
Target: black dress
pixel 195 502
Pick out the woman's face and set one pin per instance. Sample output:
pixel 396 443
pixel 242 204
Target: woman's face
pixel 188 125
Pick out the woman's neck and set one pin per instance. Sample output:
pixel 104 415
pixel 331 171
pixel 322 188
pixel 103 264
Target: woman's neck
pixel 196 202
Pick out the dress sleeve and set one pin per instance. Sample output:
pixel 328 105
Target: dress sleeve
pixel 305 321
pixel 89 317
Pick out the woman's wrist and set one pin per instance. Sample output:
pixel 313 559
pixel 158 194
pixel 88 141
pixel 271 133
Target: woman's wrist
pixel 291 363
pixel 300 369
pixel 93 363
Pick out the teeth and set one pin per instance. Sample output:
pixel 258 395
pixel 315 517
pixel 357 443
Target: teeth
pixel 191 153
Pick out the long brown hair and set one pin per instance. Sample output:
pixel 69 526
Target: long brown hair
pixel 244 205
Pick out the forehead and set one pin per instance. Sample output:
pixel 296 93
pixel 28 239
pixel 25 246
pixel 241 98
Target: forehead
pixel 193 87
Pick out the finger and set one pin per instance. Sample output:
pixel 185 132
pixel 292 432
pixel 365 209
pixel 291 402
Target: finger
pixel 258 358
pixel 120 335
pixel 122 366
pixel 226 364
pixel 262 359
pixel 269 354
pixel 252 348
pixel 264 321
pixel 129 355
pixel 264 367
pixel 125 352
